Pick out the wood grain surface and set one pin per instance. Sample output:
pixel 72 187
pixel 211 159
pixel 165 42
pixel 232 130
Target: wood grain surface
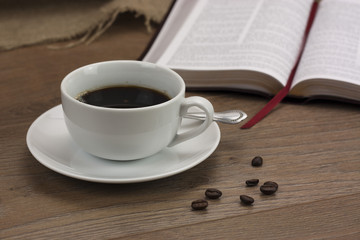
pixel 311 150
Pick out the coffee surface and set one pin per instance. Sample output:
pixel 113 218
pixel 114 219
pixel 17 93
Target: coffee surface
pixel 123 97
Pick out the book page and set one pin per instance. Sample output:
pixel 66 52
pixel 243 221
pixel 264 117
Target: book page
pixel 180 11
pixel 256 35
pixel 333 47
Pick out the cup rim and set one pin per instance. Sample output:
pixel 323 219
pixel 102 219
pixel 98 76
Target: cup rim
pixel 73 100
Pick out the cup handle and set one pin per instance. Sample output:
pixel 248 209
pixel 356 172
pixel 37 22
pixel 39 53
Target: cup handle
pixel 204 105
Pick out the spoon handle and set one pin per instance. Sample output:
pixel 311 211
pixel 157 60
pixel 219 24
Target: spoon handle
pixel 229 117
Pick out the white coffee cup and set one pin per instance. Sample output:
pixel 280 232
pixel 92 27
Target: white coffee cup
pixel 128 133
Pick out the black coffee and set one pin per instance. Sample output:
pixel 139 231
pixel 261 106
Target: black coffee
pixel 123 97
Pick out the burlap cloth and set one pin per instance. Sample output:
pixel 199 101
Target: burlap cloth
pixel 28 22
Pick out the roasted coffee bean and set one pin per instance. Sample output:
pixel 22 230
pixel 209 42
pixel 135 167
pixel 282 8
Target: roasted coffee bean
pixel 213 193
pixel 268 189
pixel 257 161
pixel 252 182
pixel 272 183
pixel 247 200
pixel 199 204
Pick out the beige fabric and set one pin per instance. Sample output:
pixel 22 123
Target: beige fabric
pixel 27 22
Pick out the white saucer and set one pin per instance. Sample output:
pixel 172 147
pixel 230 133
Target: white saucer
pixel 50 143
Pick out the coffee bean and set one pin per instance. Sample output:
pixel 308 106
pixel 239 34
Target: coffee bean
pixel 199 204
pixel 272 183
pixel 247 200
pixel 213 193
pixel 252 182
pixel 257 161
pixel 268 189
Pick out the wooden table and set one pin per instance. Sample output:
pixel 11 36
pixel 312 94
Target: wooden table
pixel 311 150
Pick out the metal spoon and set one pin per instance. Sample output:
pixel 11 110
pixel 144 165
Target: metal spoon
pixel 229 117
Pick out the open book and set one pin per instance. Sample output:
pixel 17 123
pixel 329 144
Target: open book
pixel 252 46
